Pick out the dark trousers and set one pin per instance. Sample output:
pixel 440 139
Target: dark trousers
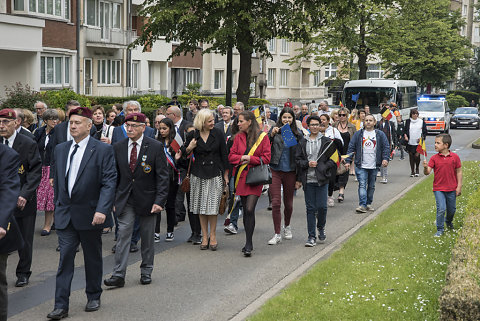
pixel 316 205
pixel 26 225
pixel 169 209
pixel 3 287
pixel 91 241
pixel 193 219
pixel 287 180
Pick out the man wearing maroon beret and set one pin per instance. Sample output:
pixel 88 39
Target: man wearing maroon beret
pixel 84 185
pixel 30 173
pixel 141 192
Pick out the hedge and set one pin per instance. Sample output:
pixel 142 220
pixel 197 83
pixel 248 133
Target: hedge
pixel 468 95
pixel 455 101
pixel 460 298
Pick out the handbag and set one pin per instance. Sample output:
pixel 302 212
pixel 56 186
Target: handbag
pixel 223 201
pixel 341 169
pixel 185 187
pixel 259 175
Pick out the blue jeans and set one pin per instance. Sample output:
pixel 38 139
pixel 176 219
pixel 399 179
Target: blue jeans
pixel 366 184
pixel 316 204
pixel 446 202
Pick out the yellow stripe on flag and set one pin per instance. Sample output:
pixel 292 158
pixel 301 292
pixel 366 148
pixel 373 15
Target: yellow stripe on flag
pixel 336 158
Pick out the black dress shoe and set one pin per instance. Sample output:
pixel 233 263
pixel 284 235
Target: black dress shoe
pixel 114 248
pixel 114 281
pixel 133 248
pixel 197 239
pixel 92 305
pixel 21 281
pixel 58 248
pixel 145 279
pixel 58 314
pixel 190 239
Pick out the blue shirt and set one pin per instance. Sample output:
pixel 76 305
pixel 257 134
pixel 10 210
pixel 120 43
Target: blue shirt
pixel 284 162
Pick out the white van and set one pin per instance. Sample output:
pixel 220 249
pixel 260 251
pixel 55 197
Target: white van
pixel 435 113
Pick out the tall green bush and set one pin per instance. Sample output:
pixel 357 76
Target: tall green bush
pixel 20 96
pixel 58 98
pixel 468 95
pixel 455 101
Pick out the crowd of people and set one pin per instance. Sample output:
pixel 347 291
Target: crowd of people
pixel 92 171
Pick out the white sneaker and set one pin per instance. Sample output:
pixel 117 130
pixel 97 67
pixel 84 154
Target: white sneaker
pixel 331 202
pixel 370 208
pixel 276 239
pixel 287 233
pixel 384 180
pixel 157 237
pixel 230 229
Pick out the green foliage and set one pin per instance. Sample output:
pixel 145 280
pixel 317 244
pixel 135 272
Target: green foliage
pixel 391 269
pixel 468 95
pixel 455 101
pixel 193 89
pixel 470 75
pixel 59 98
pixel 423 43
pixel 19 96
pixel 257 102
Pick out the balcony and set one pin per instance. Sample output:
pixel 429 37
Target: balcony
pixel 109 38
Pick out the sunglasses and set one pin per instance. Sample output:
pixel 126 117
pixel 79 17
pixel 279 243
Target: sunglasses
pixel 342 115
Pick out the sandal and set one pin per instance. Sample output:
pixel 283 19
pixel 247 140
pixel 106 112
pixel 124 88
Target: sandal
pixel 340 198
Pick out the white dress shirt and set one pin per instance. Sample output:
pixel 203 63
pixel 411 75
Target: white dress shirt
pixel 77 159
pixel 130 146
pixel 11 139
pixel 69 137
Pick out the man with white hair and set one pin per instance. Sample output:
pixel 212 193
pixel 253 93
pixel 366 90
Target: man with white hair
pixel 219 113
pixel 40 108
pixel 323 108
pixel 120 132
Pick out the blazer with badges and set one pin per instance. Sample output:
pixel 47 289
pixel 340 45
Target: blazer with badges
pixel 94 189
pixel 30 173
pixel 148 184
pixel 9 190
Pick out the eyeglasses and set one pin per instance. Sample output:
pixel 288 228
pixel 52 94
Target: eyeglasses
pixel 314 125
pixel 134 125
pixel 5 122
pixel 342 115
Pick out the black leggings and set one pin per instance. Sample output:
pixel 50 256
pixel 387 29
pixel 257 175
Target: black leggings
pixel 169 209
pixel 249 203
pixel 414 162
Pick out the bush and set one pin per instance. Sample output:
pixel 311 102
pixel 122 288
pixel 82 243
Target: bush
pixel 468 95
pixel 20 96
pixel 59 98
pixel 455 101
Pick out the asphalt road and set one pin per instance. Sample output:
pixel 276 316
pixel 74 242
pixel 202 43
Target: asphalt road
pixel 189 284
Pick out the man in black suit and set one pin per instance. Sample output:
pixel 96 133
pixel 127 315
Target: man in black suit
pixel 120 132
pixel 141 192
pixel 18 127
pixel 30 173
pixel 84 184
pixel 225 125
pixel 175 114
pixel 9 190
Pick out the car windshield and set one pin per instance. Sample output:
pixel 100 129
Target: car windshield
pixel 431 105
pixel 463 110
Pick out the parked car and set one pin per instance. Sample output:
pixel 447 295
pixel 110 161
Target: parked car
pixel 465 117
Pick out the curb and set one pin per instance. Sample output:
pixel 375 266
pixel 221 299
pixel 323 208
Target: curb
pixel 302 269
pixel 475 146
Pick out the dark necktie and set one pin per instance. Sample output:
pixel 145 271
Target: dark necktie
pixel 5 141
pixel 71 160
pixel 133 157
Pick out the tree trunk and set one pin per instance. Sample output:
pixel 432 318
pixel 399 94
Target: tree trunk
pixel 362 66
pixel 244 76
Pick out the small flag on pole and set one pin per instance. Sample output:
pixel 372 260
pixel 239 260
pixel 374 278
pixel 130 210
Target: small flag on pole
pixel 421 148
pixel 355 97
pixel 336 157
pixel 288 137
pixel 341 104
pixel 385 112
pixel 256 112
pixel 177 143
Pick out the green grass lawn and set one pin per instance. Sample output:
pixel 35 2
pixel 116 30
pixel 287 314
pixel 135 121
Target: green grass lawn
pixel 391 269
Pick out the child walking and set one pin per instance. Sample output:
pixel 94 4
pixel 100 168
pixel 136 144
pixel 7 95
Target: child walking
pixel 447 181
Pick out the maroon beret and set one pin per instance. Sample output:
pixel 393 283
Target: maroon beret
pixel 8 113
pixel 137 117
pixel 81 111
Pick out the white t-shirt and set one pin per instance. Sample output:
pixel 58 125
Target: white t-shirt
pixel 369 148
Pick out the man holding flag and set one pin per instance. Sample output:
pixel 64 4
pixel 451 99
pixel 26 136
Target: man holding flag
pixel 371 150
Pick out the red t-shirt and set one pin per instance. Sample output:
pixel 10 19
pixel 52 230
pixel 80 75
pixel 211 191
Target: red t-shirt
pixel 444 167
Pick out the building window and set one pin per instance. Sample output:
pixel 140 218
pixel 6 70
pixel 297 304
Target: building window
pixel 316 78
pixel 150 75
pixel 374 71
pixel 234 79
pixel 218 79
pixel 135 69
pixel 283 77
pixel 285 47
pixel 109 72
pixel 271 77
pixel 103 14
pixel 331 71
pixel 189 76
pixel 464 10
pixel 272 45
pixel 55 70
pixel 260 65
pixel 56 8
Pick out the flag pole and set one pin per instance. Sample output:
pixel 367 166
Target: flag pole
pixel 324 151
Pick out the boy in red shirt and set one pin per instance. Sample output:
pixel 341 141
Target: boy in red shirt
pixel 447 182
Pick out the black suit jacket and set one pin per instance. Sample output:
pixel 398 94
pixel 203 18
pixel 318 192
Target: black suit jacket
pixel 9 190
pixel 221 125
pixel 30 173
pixel 94 189
pixel 148 184
pixel 27 133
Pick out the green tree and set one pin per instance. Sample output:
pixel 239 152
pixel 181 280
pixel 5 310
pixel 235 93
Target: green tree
pixel 423 42
pixel 470 76
pixel 246 25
